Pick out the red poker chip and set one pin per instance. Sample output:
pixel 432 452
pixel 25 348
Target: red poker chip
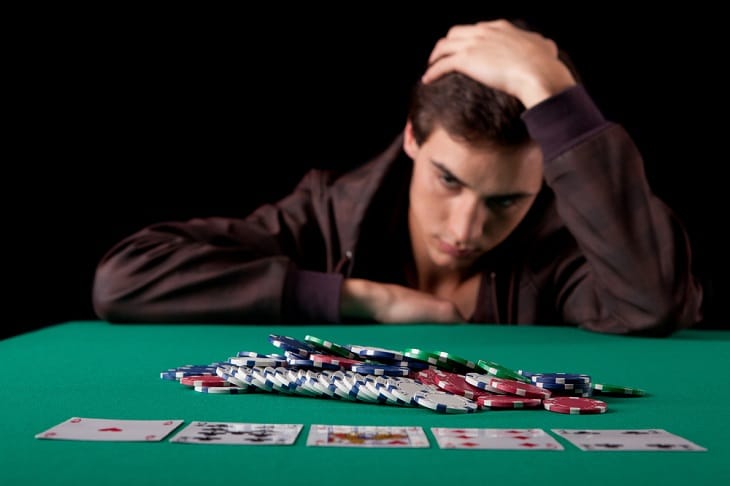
pixel 430 376
pixel 335 360
pixel 520 389
pixel 203 380
pixel 508 401
pixel 457 384
pixel 575 405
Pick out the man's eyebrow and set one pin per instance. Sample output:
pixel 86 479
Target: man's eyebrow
pixel 447 172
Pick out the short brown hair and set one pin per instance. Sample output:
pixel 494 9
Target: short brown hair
pixel 467 110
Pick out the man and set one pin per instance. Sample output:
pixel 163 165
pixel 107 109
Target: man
pixel 508 199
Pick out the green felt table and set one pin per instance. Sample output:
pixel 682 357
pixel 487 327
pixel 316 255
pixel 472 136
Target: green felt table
pixel 102 370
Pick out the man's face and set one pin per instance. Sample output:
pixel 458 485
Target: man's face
pixel 465 199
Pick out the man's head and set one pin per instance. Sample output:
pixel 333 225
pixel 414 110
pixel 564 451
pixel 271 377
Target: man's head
pixel 476 170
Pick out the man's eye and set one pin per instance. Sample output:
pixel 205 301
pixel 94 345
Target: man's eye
pixel 501 202
pixel 449 181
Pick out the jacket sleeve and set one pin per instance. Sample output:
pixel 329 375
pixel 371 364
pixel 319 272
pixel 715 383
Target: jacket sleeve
pixel 634 274
pixel 268 267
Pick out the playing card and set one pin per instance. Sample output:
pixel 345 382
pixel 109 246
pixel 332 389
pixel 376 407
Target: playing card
pixel 78 428
pixel 516 439
pixel 366 436
pixel 627 440
pixel 237 433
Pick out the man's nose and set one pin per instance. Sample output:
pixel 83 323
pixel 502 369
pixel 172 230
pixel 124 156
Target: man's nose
pixel 467 219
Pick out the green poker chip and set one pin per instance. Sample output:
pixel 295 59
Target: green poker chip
pixel 421 355
pixel 333 348
pixel 626 391
pixel 500 371
pixel 456 362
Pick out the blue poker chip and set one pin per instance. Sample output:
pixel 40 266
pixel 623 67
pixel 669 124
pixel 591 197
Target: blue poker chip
pixel 575 378
pixel 301 348
pixel 221 390
pixel 378 353
pixel 311 364
pixel 380 370
pixel 250 354
pixel 564 386
pixel 411 365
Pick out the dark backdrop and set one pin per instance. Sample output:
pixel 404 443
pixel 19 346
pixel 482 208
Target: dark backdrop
pixel 132 117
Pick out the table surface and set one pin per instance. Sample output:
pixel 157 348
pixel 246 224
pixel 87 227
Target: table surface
pixel 102 370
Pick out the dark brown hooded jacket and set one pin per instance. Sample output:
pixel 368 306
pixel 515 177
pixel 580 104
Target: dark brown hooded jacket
pixel 597 250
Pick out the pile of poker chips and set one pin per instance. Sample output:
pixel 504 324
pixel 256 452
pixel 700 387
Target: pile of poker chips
pixel 437 380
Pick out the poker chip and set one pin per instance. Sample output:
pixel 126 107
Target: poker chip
pixel 379 386
pixel 500 371
pixel 228 374
pixel 203 380
pixel 440 381
pixel 443 402
pixel 222 390
pixel 575 405
pixel 520 389
pixel 309 363
pixel 507 401
pixel 457 384
pixel 455 362
pixel 287 343
pixel 263 361
pixel 405 390
pixel 422 355
pixel 380 353
pixel 618 390
pixel 325 345
pixel 561 378
pixel 430 376
pixel 483 382
pixel 377 370
pixel 335 360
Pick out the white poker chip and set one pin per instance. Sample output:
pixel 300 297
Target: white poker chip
pixel 443 402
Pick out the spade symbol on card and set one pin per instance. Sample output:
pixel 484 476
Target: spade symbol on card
pixel 607 445
pixel 662 446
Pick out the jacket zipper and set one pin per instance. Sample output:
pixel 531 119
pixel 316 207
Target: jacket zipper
pixel 495 301
pixel 344 266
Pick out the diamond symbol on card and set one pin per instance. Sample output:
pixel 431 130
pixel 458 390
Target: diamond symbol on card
pixel 469 444
pixel 110 429
pixel 528 444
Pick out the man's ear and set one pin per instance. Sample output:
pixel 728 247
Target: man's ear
pixel 410 146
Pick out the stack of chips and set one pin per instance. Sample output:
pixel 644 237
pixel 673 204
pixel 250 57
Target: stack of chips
pixel 437 380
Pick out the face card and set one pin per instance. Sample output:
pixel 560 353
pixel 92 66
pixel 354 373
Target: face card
pixel 114 430
pixel 513 439
pixel 237 433
pixel 366 436
pixel 627 440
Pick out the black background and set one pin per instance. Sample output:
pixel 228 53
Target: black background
pixel 125 118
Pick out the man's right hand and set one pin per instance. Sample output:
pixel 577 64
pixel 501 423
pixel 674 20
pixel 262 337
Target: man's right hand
pixel 392 303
